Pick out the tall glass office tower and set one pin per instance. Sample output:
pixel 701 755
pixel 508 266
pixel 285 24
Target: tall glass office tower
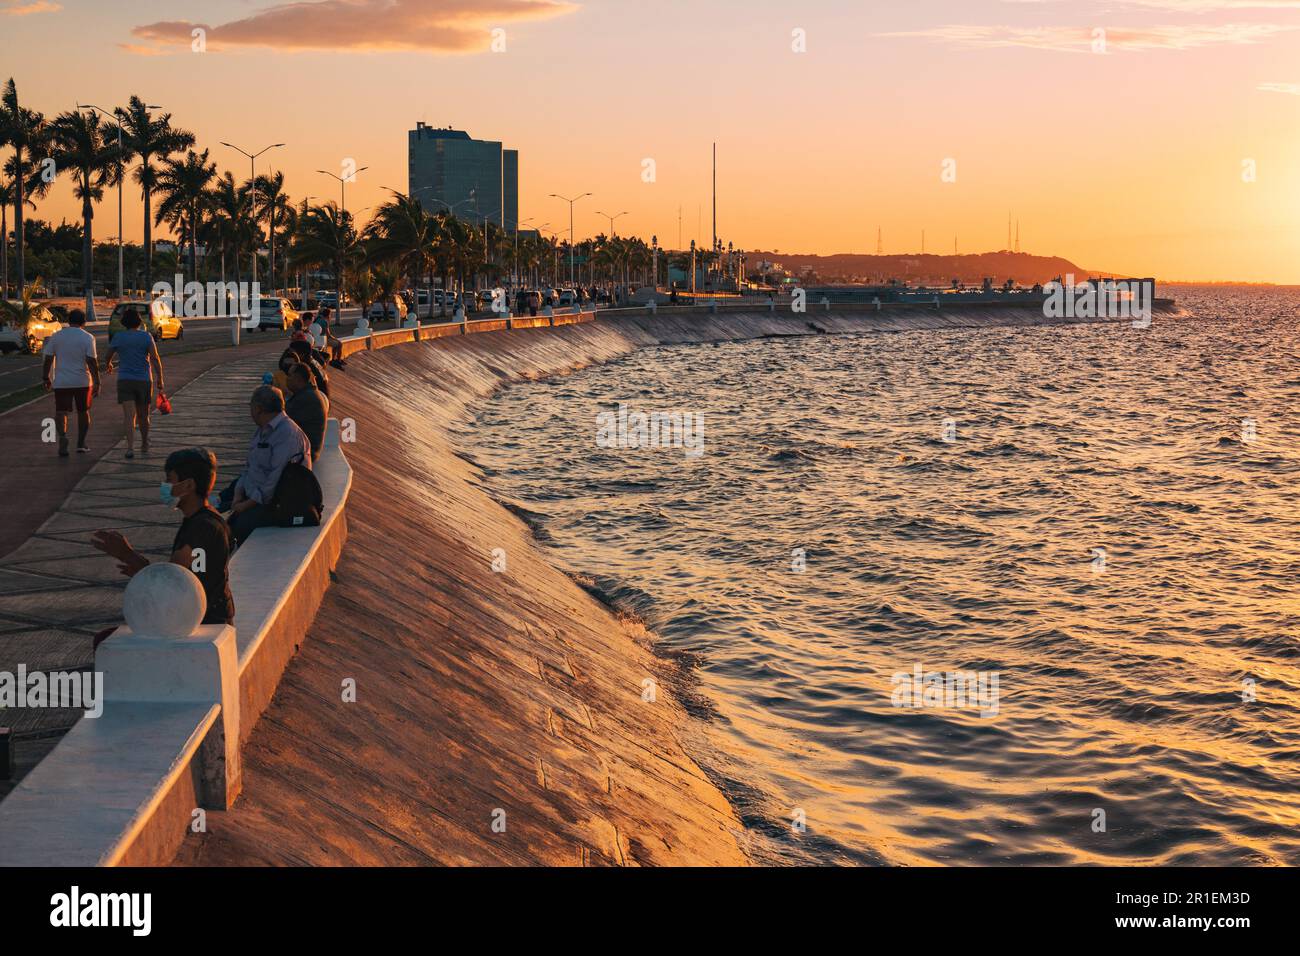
pixel 475 178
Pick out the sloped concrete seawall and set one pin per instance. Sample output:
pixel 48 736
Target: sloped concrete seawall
pixel 445 711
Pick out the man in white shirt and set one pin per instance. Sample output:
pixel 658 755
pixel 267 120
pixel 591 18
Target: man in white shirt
pixel 70 356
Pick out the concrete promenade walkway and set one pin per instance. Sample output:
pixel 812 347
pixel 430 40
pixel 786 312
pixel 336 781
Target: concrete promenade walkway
pixel 34 480
pixel 56 589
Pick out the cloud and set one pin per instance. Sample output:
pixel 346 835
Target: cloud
pixel 1193 6
pixel 1080 39
pixel 429 26
pixel 21 8
pixel 1291 88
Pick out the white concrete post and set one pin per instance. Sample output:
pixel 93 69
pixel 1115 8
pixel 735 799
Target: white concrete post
pixel 164 655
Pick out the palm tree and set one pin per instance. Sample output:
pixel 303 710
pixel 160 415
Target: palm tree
pixel 361 286
pixel 387 280
pixel 227 206
pixel 325 237
pixel 81 146
pixel 402 233
pixel 184 184
pixel 275 208
pixel 149 137
pixel 26 131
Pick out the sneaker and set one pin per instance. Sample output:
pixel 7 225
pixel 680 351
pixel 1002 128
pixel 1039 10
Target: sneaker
pixel 130 454
pixel 82 449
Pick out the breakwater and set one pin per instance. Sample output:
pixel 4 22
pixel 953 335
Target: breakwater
pixel 497 713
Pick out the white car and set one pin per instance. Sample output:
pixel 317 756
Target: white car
pixel 269 313
pixel 388 311
pixel 43 324
pixel 568 297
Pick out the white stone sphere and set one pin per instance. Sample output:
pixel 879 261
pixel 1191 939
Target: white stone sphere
pixel 164 600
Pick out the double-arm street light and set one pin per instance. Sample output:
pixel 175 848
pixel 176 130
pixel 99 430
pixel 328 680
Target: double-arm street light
pixel 612 231
pixel 570 202
pixel 252 180
pixel 121 175
pixel 343 185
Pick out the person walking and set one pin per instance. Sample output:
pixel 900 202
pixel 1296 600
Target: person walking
pixel 71 371
pixel 138 363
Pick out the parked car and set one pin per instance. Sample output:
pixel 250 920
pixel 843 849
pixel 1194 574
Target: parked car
pixel 568 297
pixel 156 318
pixel 330 299
pixel 42 324
pixel 388 311
pixel 273 314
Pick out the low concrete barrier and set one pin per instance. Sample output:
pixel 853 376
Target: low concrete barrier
pixel 381 340
pixel 179 701
pixel 573 318
pixel 279 578
pixel 486 325
pixel 530 322
pixel 352 344
pixel 441 330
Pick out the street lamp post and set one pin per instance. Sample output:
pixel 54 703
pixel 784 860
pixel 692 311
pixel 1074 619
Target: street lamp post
pixel 343 183
pixel 343 209
pixel 570 202
pixel 252 181
pixel 612 231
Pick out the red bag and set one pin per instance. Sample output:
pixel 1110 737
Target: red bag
pixel 164 404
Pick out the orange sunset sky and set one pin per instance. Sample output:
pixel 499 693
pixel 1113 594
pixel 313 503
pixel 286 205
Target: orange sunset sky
pixel 1128 160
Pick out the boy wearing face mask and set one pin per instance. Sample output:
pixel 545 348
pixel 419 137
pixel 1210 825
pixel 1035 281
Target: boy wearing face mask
pixel 203 542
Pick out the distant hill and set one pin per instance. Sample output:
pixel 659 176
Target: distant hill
pixel 1021 267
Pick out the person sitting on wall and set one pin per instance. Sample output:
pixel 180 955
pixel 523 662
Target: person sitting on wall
pixel 280 377
pixel 332 343
pixel 203 542
pixel 308 407
pixel 313 360
pixel 276 441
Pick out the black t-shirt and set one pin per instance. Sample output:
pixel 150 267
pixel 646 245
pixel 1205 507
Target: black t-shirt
pixel 208 530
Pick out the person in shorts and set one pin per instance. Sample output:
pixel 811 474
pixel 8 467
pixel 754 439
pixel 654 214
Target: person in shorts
pixel 138 361
pixel 71 371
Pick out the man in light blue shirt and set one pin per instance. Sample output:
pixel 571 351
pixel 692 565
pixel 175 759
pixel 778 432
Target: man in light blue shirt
pixel 276 442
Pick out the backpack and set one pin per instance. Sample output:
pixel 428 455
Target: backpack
pixel 297 501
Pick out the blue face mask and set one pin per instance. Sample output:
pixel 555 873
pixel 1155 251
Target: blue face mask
pixel 165 493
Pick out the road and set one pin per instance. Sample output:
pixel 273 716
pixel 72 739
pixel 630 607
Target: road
pixel 20 374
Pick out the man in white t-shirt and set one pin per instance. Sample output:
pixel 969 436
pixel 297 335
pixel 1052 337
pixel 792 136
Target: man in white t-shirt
pixel 70 357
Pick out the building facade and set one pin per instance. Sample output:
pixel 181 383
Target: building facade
pixel 474 178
